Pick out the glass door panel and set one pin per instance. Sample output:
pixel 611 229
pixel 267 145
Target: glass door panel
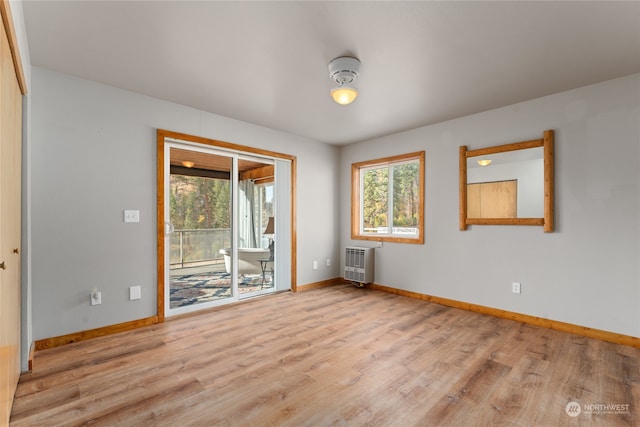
pixel 220 227
pixel 255 227
pixel 200 241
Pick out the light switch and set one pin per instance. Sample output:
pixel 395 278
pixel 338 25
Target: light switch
pixel 132 216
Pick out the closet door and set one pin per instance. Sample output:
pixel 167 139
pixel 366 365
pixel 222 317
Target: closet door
pixel 10 228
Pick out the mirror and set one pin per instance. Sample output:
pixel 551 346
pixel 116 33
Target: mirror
pixel 509 184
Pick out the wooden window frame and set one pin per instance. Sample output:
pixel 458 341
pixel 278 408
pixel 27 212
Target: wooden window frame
pixel 356 171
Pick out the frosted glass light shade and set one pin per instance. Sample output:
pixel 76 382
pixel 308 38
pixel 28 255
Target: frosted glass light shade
pixel 344 95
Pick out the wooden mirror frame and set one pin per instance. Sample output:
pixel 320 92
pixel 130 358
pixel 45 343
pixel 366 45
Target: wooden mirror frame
pixel 547 143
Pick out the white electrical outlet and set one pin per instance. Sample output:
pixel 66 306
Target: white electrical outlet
pixel 328 262
pixel 315 265
pixel 515 287
pixel 96 297
pixel 135 292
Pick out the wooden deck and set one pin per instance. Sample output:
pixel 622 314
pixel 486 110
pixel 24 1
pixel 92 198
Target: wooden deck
pixel 337 355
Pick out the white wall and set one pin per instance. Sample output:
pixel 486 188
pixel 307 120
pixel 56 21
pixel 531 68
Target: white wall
pixel 94 155
pixel 588 271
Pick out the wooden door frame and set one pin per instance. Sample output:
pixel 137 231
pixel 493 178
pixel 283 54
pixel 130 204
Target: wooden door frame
pixel 162 136
pixel 7 20
pixel 11 335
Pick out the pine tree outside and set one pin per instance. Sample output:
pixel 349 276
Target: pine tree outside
pixel 389 200
pixel 201 216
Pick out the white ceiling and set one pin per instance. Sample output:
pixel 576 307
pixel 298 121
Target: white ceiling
pixel 266 62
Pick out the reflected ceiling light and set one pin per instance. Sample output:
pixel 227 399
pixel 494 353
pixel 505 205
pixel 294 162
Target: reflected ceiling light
pixel 344 71
pixel 484 162
pixel 188 163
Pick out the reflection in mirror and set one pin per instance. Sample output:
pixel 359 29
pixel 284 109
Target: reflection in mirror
pixel 509 184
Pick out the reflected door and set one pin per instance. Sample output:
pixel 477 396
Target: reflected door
pixel 492 199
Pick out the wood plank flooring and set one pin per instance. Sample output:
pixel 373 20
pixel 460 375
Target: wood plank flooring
pixel 334 356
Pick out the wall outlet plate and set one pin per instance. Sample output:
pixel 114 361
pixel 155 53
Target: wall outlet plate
pixel 131 216
pixel 515 287
pixel 135 292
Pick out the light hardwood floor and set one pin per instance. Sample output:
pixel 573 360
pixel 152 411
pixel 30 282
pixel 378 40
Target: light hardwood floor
pixel 337 355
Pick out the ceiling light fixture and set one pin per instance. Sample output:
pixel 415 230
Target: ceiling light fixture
pixel 484 162
pixel 188 163
pixel 344 71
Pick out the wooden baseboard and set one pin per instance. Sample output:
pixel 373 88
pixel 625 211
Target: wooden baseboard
pixel 584 331
pixel 612 337
pixel 321 284
pixel 127 326
pixel 32 351
pixel 94 333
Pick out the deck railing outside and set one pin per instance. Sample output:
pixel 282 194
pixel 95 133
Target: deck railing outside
pixel 198 247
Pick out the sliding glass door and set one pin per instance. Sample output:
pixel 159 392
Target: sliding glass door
pixel 221 221
pixel 198 208
pixel 255 257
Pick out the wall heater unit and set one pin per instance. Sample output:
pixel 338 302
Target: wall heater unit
pixel 358 265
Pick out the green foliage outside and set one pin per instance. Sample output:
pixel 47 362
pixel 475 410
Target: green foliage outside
pixel 375 198
pixel 200 211
pixel 198 203
pixel 203 205
pixel 375 204
pixel 405 195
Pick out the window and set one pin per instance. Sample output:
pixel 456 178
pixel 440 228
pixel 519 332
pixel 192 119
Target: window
pixel 387 200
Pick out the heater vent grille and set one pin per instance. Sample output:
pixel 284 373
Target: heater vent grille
pixel 358 264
